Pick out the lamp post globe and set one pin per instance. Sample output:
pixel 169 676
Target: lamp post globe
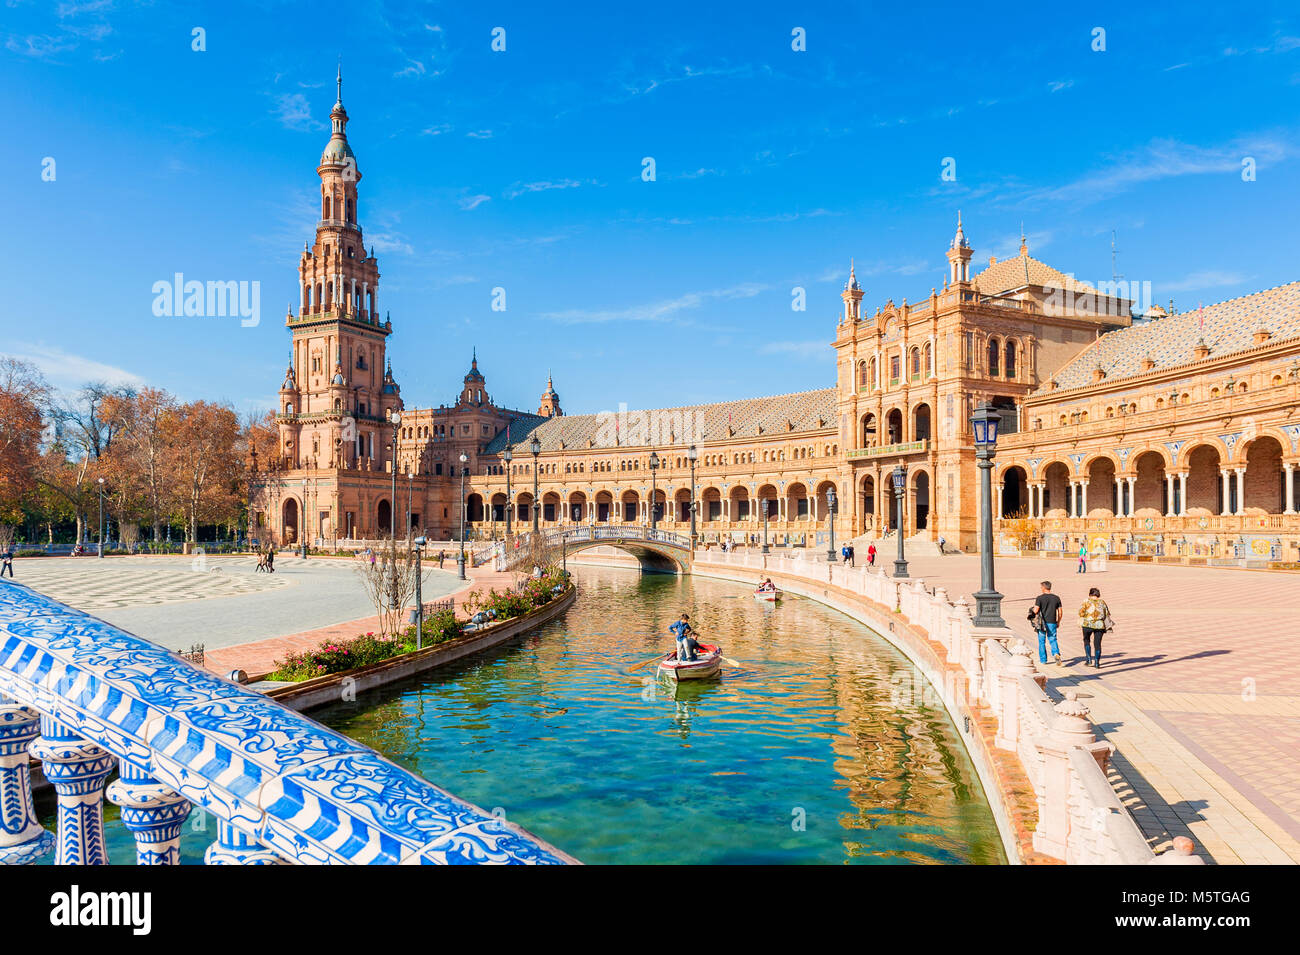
pixel 988 602
pixel 460 560
pixel 654 468
pixel 899 476
pixel 830 519
pixel 508 456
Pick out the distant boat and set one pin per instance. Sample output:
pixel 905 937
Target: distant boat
pixel 707 663
pixel 772 596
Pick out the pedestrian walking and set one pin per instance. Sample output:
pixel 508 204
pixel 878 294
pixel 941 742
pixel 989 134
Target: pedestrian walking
pixel 1045 615
pixel 1095 620
pixel 8 562
pixel 871 555
pixel 442 555
pixel 942 542
pixel 1083 558
pixel 851 555
pixel 270 560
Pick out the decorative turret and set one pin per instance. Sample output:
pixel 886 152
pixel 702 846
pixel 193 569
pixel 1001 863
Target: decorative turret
pixel 474 393
pixel 852 296
pixel 959 255
pixel 550 406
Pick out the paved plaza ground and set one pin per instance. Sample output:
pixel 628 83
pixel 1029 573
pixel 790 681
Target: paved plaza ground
pixel 219 602
pixel 1199 689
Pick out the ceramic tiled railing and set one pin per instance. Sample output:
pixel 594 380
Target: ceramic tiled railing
pixel 84 698
pixel 1080 820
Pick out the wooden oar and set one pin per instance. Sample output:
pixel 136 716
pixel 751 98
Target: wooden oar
pixel 730 662
pixel 637 666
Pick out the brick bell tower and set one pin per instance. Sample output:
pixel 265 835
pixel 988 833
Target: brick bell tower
pixel 336 395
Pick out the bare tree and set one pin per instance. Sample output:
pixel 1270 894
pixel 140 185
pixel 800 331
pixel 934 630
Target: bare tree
pixel 389 582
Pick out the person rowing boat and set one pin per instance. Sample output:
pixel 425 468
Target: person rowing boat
pixel 767 586
pixel 685 635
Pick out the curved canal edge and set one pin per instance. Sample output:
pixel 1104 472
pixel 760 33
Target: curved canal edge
pixel 329 689
pixel 1007 788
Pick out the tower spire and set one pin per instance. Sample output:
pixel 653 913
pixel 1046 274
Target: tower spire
pixel 339 80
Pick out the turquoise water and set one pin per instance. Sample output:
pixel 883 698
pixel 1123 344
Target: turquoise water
pixel 819 748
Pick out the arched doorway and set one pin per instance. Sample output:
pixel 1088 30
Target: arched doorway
pixel 867 501
pixel 1056 490
pixel 474 508
pixel 1015 493
pixel 524 505
pixel 869 431
pixel 895 426
pixel 711 505
pixel 577 507
pixel 682 504
pixel 1264 476
pixel 1204 486
pixel 604 506
pixel 550 507
pixel 499 502
pixel 1150 490
pixel 921 500
pixel 628 511
pixel 1101 486
pixel 767 493
pixel 739 503
pixel 290 521
pixel 921 423
pixel 384 518
pixel 796 502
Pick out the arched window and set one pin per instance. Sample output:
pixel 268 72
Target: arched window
pixel 929 360
pixel 916 363
pixel 862 374
pixel 995 352
pixel 1011 359
pixel 874 374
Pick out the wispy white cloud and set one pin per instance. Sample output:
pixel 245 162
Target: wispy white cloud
pixel 656 311
pixel 1057 85
pixel 473 202
pixel 389 242
pixel 294 112
pixel 69 372
pixel 437 130
pixel 523 188
pixel 1205 279
pixel 479 134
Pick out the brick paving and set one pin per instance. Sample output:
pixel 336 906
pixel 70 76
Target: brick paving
pixel 1199 689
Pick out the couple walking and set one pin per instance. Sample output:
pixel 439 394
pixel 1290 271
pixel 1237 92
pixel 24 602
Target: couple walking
pixel 1094 621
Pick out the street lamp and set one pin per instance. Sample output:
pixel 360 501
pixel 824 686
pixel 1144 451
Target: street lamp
pixel 691 455
pixel 988 602
pixel 830 519
pixel 535 446
pixel 410 487
pixel 654 467
pixel 763 504
pixel 900 491
pixel 394 419
pixel 101 517
pixel 419 543
pixel 460 561
pixel 510 503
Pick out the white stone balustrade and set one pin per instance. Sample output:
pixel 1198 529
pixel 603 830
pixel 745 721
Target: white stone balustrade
pixel 1080 819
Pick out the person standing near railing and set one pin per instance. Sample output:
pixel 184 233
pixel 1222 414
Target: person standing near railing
pixel 8 562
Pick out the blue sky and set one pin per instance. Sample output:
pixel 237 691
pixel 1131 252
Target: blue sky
pixel 522 170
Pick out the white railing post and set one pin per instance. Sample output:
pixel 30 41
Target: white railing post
pixel 1070 729
pixel 1019 663
pixel 78 770
pixel 233 847
pixel 152 812
pixel 23 840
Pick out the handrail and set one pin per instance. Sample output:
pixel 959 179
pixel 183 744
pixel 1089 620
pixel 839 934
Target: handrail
pixel 283 787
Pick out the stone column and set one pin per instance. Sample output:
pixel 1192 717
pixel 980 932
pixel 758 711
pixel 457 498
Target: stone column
pixel 1225 505
pixel 23 840
pixel 1083 498
pixel 152 812
pixel 1119 496
pixel 1290 488
pixel 1170 510
pixel 234 848
pixel 1182 494
pixel 1241 491
pixel 77 769
pixel 1071 728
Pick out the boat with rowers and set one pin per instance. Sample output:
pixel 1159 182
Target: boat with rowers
pixel 707 663
pixel 767 591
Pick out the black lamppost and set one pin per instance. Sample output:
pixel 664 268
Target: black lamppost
pixel 419 543
pixel 691 455
pixel 900 491
pixel 988 602
pixel 101 517
pixel 510 504
pixel 763 504
pixel 394 418
pixel 460 561
pixel 830 519
pixel 654 467
pixel 410 487
pixel 535 446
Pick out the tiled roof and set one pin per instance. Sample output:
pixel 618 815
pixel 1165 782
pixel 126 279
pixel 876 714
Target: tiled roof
pixel 1226 328
pixel 801 412
pixel 1024 270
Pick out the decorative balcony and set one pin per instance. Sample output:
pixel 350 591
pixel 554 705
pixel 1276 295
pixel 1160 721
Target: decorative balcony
pixel 890 450
pixel 86 698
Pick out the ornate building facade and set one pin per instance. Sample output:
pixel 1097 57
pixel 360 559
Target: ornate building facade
pixel 1173 436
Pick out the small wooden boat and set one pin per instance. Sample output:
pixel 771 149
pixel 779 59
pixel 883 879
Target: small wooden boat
pixel 769 595
pixel 707 663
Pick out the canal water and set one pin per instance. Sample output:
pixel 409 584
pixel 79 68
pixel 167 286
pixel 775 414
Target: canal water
pixel 823 746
